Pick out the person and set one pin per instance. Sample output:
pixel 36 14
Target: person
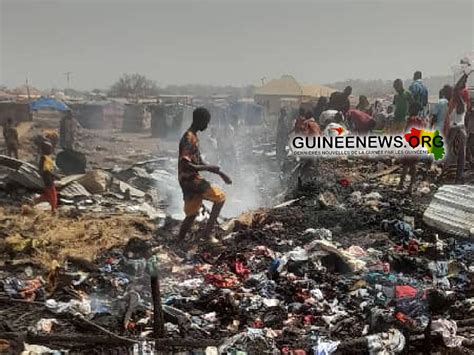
pixel 409 162
pixel 298 127
pixel 330 116
pixel 454 128
pixel 380 115
pixel 47 136
pixel 320 107
pixel 46 168
pixel 360 122
pixel 310 129
pixel 439 110
pixel 282 134
pixel 470 138
pixel 310 126
pixel 67 131
pixel 52 137
pixel 364 105
pixel 419 93
pixel 336 127
pixel 194 187
pixel 414 118
pixel 378 107
pixel 12 142
pixel 339 101
pixel 401 101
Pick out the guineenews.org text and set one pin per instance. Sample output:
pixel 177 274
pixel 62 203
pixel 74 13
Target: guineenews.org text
pixel 359 142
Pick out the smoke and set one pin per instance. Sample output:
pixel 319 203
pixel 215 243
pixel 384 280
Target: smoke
pixel 168 188
pixel 246 157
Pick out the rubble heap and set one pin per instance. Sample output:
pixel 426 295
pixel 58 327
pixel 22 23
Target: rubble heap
pixel 345 265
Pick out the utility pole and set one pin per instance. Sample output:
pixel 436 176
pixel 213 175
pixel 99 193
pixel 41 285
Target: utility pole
pixel 68 79
pixel 28 89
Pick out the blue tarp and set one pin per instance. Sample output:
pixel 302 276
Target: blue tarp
pixel 45 102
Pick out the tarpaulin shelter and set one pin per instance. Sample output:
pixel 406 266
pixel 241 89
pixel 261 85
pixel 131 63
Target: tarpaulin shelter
pixel 47 102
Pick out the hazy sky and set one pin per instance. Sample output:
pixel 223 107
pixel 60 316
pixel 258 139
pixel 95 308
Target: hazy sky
pixel 229 41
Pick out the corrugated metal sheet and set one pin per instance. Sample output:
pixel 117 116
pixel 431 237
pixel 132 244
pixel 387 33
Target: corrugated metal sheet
pixel 22 173
pixel 452 210
pixel 74 189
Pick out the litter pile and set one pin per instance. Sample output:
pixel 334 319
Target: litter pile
pixel 346 265
pixel 94 191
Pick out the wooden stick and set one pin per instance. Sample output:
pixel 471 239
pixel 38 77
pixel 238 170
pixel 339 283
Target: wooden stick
pixel 113 335
pixel 158 317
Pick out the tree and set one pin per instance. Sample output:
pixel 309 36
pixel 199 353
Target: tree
pixel 133 86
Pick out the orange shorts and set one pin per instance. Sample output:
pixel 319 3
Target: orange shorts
pixel 213 194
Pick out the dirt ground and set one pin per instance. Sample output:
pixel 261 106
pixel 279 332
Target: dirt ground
pixel 104 148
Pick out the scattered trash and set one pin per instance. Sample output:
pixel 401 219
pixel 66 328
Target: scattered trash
pixel 28 290
pixel 325 347
pixel 320 233
pixel 392 342
pixel 31 349
pixel 45 325
pixel 343 260
pixel 72 307
pixel 95 181
pixel 328 199
pixel 447 329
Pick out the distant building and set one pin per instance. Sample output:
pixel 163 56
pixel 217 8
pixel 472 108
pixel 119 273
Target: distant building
pixel 99 114
pixel 5 96
pixel 26 92
pixel 136 118
pixel 167 119
pixel 286 90
pixel 17 111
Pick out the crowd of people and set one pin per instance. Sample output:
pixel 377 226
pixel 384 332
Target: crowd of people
pixel 452 116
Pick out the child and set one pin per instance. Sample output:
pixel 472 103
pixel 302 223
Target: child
pixel 409 163
pixel 46 167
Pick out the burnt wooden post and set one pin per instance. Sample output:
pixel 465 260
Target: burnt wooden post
pixel 158 318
